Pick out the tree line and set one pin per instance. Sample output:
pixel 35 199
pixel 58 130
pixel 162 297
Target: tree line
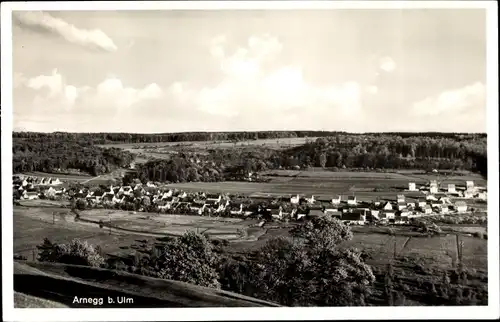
pixel 105 138
pixel 66 156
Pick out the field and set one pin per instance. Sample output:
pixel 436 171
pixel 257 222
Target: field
pixel 32 225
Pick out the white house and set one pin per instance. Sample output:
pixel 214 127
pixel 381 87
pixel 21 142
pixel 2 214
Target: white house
pixel 412 186
pixel 30 195
pixel 401 205
pixel 336 201
pixel 295 199
pixel 375 213
pixel 461 206
pixel 310 200
pixel 389 214
pixel 351 200
pixel 400 199
pixel 387 206
pixel 433 187
pixel 410 204
pixel 451 188
pixel 469 185
pixel 50 192
pixel 444 209
pixel 482 196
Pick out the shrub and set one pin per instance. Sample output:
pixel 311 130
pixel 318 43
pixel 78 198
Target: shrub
pixel 76 252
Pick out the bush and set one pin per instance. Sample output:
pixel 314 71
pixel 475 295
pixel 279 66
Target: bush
pixel 76 252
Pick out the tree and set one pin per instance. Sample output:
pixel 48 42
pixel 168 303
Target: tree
pixel 323 232
pixel 190 258
pixel 311 269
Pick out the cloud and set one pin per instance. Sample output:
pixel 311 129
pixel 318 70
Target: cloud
pixel 470 98
pixel 55 99
pixel 254 83
pixel 387 64
pixel 45 22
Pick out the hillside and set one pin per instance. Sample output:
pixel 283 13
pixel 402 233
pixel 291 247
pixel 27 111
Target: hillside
pixel 43 283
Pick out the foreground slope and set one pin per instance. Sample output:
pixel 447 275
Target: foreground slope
pixel 61 283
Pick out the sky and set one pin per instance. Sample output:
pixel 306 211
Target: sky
pixel 243 70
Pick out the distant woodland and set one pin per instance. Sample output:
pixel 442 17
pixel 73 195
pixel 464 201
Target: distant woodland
pixel 78 151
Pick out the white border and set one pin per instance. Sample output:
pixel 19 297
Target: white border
pixel 371 313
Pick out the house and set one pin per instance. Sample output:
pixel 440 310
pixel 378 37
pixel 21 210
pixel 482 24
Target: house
pixel 336 201
pixel 443 209
pixel 300 215
pixel 482 196
pixel 357 217
pixel 401 205
pixel 412 186
pixel 431 198
pixel 197 207
pixel 375 213
pixel 461 206
pixel 411 204
pixel 468 194
pixel 97 195
pixel 183 195
pixel 469 185
pixel 451 188
pixel 150 185
pixel 31 195
pixel 400 199
pixel 107 198
pixel 211 197
pixel 401 217
pixel 236 210
pixel 351 200
pixel 117 199
pixel 444 200
pixel 333 213
pixel 126 190
pixel 310 200
pixel 388 215
pixel 387 206
pixel 24 183
pixel 295 199
pixel 421 204
pixel 433 188
pixel 50 192
pixel 276 213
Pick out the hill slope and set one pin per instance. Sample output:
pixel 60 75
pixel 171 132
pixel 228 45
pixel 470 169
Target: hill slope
pixel 62 283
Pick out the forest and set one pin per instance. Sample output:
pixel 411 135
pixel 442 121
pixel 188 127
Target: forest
pixel 54 155
pixel 108 138
pixel 79 151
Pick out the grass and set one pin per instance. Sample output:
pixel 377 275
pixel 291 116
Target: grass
pixel 24 301
pixel 61 283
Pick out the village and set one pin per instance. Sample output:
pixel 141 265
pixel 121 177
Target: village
pixel 152 197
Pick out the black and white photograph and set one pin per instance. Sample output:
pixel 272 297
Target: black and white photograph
pixel 279 157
